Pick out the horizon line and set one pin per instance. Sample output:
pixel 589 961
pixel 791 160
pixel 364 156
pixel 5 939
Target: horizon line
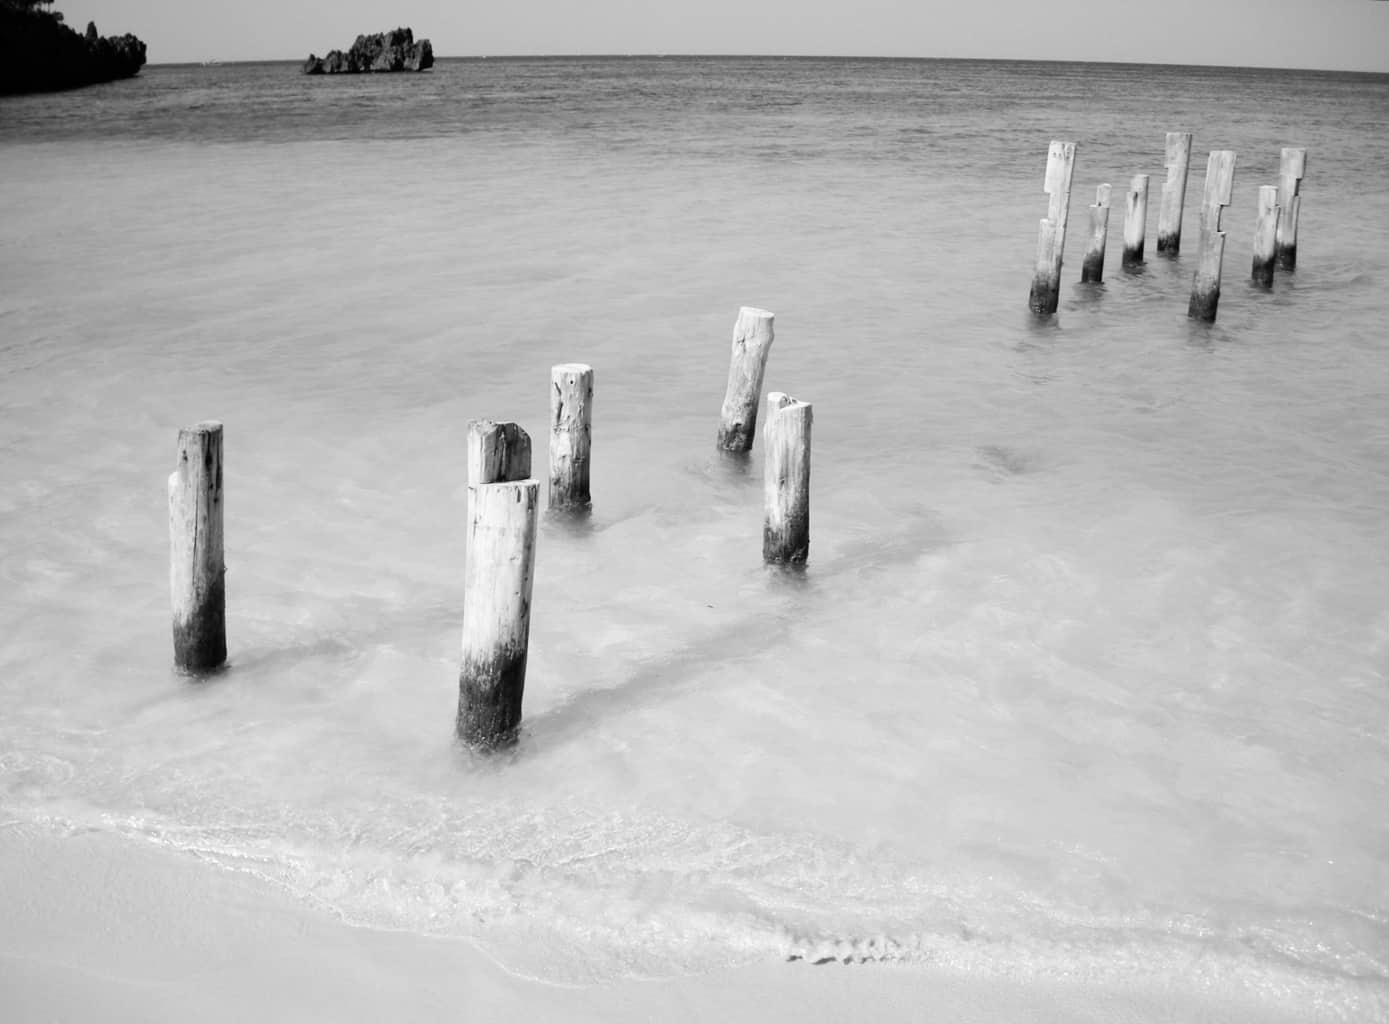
pixel 796 56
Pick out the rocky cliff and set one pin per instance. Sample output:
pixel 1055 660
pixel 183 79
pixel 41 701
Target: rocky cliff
pixel 384 51
pixel 38 53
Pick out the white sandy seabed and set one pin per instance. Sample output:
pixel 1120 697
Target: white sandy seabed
pixel 98 927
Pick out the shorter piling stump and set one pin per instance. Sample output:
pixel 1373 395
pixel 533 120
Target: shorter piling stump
pixel 497 452
pixel 197 571
pixel 786 481
pixel 496 611
pixel 752 343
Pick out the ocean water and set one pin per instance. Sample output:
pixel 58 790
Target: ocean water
pixel 1087 677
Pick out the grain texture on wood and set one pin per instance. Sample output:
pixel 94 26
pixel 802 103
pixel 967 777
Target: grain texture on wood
pixel 197 571
pixel 1205 285
pixel 752 343
pixel 1135 220
pixel 571 435
pixel 786 480
pixel 496 611
pixel 1292 168
pixel 1169 239
pixel 1265 236
pixel 1093 267
pixel 497 452
pixel 1045 295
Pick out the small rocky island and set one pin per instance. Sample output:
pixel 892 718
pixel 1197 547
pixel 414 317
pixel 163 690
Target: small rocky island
pixel 41 54
pixel 384 51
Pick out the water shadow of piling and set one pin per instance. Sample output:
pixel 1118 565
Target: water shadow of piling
pixel 735 466
pixel 652 683
pixel 658 680
pixel 572 520
pixel 1206 335
pixel 791 575
pixel 1041 325
pixel 198 677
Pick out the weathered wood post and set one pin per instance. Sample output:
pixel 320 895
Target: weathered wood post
pixel 1051 233
pixel 786 480
pixel 497 583
pixel 1093 267
pixel 496 610
pixel 1135 220
pixel 1265 235
pixel 571 435
pixel 1205 285
pixel 752 342
pixel 197 571
pixel 1292 167
pixel 1174 193
pixel 497 452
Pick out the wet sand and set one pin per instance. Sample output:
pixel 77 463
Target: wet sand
pixel 101 927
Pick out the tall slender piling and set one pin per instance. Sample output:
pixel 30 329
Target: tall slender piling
pixel 1265 235
pixel 496 611
pixel 197 570
pixel 752 342
pixel 571 435
pixel 1169 239
pixel 1135 220
pixel 786 480
pixel 1093 267
pixel 1051 233
pixel 1205 285
pixel 1292 167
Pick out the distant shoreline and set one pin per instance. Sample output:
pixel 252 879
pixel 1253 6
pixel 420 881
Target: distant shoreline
pixel 824 58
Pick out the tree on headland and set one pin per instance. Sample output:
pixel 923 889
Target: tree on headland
pixel 41 53
pixel 31 7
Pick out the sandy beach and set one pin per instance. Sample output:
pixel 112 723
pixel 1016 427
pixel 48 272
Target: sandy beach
pixel 99 927
pixel 1077 713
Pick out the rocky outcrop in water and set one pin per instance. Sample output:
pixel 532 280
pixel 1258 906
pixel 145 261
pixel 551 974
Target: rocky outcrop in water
pixel 384 51
pixel 38 53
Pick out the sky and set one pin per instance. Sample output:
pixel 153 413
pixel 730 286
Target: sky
pixel 1332 34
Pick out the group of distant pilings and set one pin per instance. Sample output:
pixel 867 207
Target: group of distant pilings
pixel 503 501
pixel 1275 230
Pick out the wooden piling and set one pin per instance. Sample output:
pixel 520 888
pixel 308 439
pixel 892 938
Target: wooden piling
pixel 786 480
pixel 1169 239
pixel 571 435
pixel 196 567
pixel 1265 236
pixel 1093 267
pixel 1135 220
pixel 1205 285
pixel 1051 233
pixel 497 452
pixel 752 342
pixel 496 611
pixel 1292 167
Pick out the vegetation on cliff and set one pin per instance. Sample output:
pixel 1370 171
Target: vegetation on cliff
pixel 41 53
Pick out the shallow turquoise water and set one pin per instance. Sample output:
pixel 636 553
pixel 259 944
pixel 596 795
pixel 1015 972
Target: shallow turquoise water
pixel 1087 673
